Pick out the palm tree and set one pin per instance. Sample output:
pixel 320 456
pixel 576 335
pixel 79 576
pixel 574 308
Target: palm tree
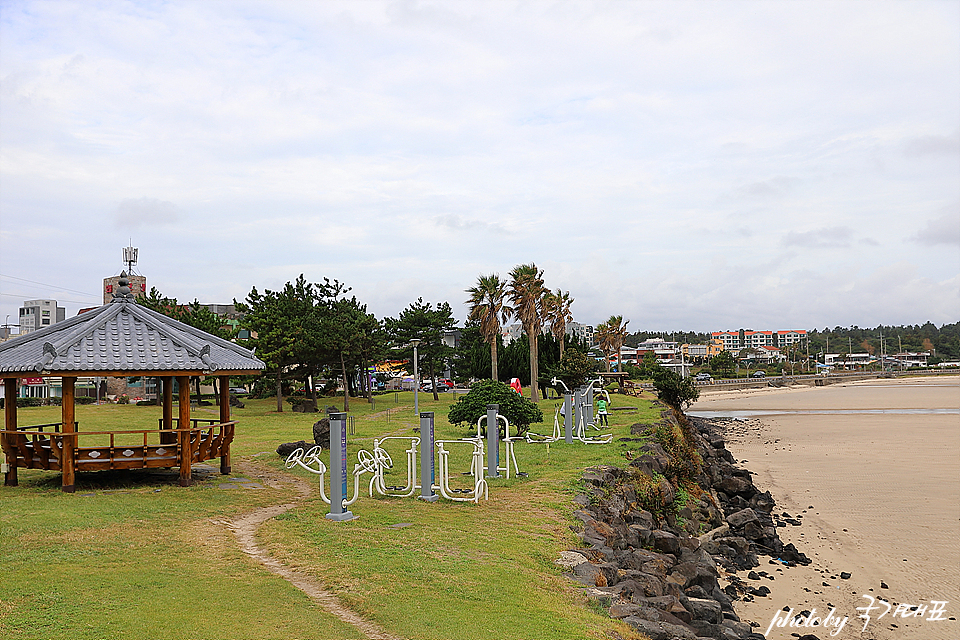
pixel 526 296
pixel 488 308
pixel 611 335
pixel 556 307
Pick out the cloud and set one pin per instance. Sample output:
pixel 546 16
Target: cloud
pixel 774 187
pixel 942 230
pixel 133 213
pixel 933 146
pixel 819 238
pixel 458 223
pixel 686 145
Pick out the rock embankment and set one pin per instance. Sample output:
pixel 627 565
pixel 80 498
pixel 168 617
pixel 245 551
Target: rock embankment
pixel 666 535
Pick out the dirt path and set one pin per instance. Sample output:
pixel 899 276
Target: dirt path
pixel 245 529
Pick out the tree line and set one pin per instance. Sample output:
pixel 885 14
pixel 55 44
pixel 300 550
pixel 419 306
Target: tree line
pixel 313 331
pixel 942 342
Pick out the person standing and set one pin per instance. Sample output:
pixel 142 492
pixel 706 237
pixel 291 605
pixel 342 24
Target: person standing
pixel 602 412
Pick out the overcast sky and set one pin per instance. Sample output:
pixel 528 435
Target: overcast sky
pixel 702 166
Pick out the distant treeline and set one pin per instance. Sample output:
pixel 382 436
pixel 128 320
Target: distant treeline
pixel 943 343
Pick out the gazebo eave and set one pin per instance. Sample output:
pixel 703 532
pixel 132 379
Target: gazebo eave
pixel 160 373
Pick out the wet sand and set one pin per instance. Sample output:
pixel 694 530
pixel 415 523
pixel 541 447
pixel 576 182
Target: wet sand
pixel 879 496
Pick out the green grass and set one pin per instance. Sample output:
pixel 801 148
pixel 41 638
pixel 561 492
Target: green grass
pixel 120 559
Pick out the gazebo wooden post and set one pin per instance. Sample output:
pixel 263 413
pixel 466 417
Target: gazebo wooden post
pixel 225 417
pixel 186 449
pixel 167 422
pixel 67 412
pixel 10 424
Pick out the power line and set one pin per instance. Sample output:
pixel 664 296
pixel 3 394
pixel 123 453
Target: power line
pixel 26 297
pixel 45 284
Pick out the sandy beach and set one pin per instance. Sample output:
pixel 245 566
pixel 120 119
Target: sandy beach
pixel 872 470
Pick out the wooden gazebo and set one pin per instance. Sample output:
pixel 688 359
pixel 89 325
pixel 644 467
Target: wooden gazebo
pixel 120 339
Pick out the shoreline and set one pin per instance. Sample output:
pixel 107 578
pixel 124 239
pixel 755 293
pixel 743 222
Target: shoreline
pixel 878 497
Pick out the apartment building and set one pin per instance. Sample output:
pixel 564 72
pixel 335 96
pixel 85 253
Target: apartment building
pixel 37 314
pixel 749 339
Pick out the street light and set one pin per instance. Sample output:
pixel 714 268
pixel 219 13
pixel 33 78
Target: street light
pixel 416 378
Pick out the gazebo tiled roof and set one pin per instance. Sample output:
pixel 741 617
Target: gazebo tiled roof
pixel 119 339
pixel 125 338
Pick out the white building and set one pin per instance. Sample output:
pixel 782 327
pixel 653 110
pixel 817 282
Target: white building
pixel 663 350
pixel 584 332
pixel 36 314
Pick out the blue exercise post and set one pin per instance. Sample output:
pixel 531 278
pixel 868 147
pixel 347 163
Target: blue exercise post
pixel 578 409
pixel 427 469
pixel 588 404
pixel 493 441
pixel 338 461
pixel 568 418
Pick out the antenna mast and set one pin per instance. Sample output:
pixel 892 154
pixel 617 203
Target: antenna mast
pixel 130 257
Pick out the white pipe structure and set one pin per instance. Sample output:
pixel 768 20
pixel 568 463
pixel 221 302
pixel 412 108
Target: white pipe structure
pixel 582 423
pixel 476 470
pixel 383 461
pixel 508 442
pixel 312 457
pixel 605 438
pixel 557 381
pixel 537 438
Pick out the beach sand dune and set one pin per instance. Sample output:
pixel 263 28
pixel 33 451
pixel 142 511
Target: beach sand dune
pixel 877 488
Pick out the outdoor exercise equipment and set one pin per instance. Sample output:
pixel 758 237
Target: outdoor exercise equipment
pixel 311 461
pixel 507 440
pixel 434 473
pixel 583 398
pixel 427 457
pixel 567 411
pixel 476 470
pixel 382 462
pixel 577 411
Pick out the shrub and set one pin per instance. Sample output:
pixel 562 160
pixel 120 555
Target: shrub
pixel 84 400
pixel 575 368
pixel 517 409
pixel 674 390
pixel 296 398
pixel 124 399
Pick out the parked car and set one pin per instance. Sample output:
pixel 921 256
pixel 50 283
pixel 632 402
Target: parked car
pixel 703 376
pixel 759 374
pixel 237 391
pixel 446 382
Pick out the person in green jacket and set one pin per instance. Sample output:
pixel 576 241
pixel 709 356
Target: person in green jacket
pixel 602 412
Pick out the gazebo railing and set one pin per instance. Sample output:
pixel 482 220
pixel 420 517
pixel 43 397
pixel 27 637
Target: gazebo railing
pixel 40 427
pixel 102 450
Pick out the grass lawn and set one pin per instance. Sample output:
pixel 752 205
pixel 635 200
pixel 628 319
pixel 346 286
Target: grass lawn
pixel 132 555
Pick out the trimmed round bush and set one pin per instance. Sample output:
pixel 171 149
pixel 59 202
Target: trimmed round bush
pixel 517 409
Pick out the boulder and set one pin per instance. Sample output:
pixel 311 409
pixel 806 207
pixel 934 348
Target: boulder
pixel 708 610
pixel 321 432
pixel 665 542
pixel 287 448
pixel 742 517
pixel 660 630
pixel 305 406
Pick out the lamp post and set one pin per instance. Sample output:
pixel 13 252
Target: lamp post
pixel 416 379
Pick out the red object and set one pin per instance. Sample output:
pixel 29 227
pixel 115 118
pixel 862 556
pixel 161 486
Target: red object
pixel 515 385
pixel 109 288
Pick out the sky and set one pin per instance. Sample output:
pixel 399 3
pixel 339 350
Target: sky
pixel 699 166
